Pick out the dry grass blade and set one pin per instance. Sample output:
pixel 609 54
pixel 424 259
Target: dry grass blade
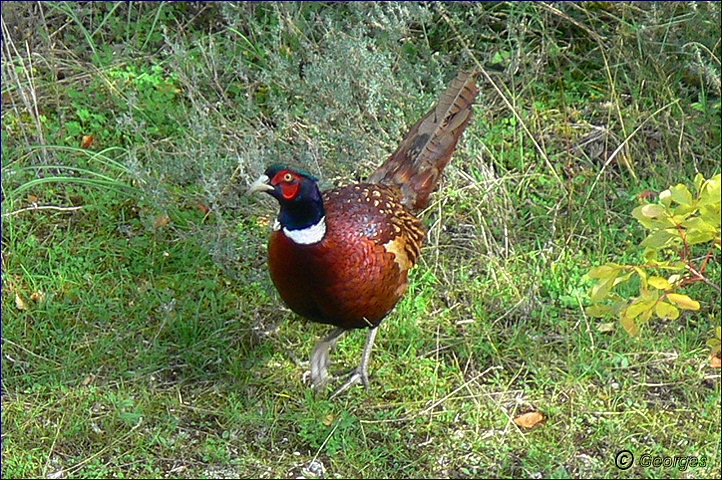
pixel 24 87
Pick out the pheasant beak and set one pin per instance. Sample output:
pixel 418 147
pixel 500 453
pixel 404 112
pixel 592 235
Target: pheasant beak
pixel 261 185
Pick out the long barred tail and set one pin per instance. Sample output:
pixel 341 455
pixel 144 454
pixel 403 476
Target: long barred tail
pixel 415 167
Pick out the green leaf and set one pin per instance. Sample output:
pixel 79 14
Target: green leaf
pixel 639 307
pixel 641 218
pixel 599 310
pixel 695 237
pixel 653 210
pixel 714 343
pixel 683 301
pixel 500 56
pixel 652 216
pixel 682 212
pixel 659 283
pixel 658 239
pixel 73 128
pixel 604 271
pixel 666 198
pixel 642 274
pixel 629 324
pixel 709 192
pixel 623 278
pixel 698 181
pixel 711 214
pixel 665 310
pixel 646 314
pixel 601 289
pixel 650 255
pixel 699 223
pixel 681 194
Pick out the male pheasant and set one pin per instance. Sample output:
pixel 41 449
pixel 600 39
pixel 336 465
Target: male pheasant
pixel 342 257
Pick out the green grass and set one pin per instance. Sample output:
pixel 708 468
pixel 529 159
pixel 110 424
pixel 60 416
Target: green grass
pixel 142 336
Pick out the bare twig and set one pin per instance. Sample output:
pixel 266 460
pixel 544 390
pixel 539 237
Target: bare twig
pixel 42 207
pixel 699 276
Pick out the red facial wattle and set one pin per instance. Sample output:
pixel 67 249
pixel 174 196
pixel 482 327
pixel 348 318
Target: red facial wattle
pixel 289 182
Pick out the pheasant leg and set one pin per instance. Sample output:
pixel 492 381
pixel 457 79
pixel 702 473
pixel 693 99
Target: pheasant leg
pixel 320 359
pixel 360 374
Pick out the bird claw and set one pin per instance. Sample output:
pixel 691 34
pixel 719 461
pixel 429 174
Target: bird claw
pixel 320 362
pixel 358 377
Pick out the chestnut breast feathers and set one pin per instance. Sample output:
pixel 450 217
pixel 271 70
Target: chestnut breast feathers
pixel 372 212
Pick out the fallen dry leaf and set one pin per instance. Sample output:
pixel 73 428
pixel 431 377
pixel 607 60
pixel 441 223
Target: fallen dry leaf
pixel 327 419
pixel 37 296
pixel 161 221
pixel 606 327
pixel 87 141
pixel 714 361
pixel 32 198
pixel 646 195
pixel 20 303
pixel 202 208
pixel 528 420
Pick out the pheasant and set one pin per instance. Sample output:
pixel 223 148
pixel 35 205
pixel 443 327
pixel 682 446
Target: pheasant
pixel 341 257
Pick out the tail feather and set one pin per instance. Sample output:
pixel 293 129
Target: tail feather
pixel 416 165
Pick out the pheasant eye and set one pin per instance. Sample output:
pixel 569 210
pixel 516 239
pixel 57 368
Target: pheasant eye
pixel 287 177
